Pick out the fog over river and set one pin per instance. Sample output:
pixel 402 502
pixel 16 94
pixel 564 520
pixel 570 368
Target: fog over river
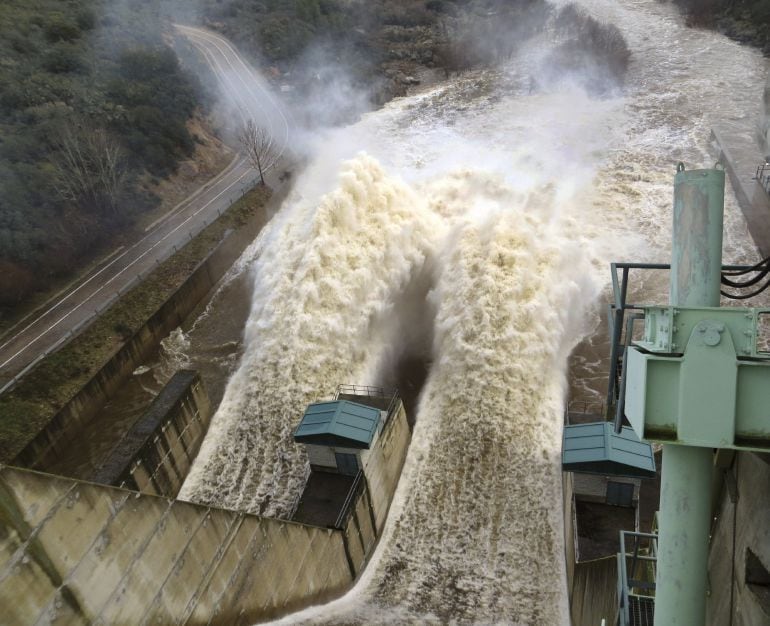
pixel 469 228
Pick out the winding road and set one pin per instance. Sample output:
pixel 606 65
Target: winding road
pixel 68 313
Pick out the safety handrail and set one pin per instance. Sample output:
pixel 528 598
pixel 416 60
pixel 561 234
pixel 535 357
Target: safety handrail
pixel 633 585
pixel 349 499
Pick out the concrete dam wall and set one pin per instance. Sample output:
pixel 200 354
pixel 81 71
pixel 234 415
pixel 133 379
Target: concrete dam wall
pixel 75 553
pixel 739 559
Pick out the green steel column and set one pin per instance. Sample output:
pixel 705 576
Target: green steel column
pixel 685 507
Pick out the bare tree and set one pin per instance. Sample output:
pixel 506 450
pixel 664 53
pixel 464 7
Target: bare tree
pixel 89 168
pixel 258 146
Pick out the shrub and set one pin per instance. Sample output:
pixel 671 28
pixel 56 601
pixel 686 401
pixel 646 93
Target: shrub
pixel 760 11
pixel 16 283
pixel 62 58
pixel 85 18
pixel 59 28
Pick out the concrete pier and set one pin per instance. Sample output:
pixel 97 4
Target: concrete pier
pixel 156 454
pixel 740 156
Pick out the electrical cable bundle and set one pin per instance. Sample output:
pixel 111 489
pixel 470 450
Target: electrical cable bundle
pixel 762 270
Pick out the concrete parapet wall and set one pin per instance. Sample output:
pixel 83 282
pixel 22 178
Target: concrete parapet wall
pixel 65 425
pixel 386 459
pixel 740 157
pixel 570 531
pixel 360 533
pixel 78 553
pixel 157 452
pixel 593 592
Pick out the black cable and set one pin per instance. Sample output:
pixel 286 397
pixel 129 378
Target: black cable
pixel 748 270
pixel 762 273
pixel 735 296
pixel 748 283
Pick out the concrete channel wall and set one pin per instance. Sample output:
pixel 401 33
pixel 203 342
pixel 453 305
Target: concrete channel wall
pixel 156 454
pixel 742 529
pixel 78 553
pixel 386 458
pixel 65 426
pixel 741 156
pixel 371 498
pixel 593 595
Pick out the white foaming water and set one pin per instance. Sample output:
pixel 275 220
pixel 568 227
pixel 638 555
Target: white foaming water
pixel 322 284
pixel 174 351
pixel 513 205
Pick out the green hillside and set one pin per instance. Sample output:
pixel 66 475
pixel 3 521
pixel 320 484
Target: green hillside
pixel 91 96
pixel 747 21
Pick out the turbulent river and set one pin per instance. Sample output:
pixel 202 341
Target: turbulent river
pixel 469 228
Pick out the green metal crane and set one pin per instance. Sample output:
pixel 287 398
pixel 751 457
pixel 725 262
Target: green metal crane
pixel 696 382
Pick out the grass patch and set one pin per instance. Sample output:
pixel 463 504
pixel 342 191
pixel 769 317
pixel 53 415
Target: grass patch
pixel 25 410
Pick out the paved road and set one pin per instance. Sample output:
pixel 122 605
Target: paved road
pixel 68 313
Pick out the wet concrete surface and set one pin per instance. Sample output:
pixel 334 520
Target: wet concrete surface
pixel 598 527
pixel 322 500
pixel 741 155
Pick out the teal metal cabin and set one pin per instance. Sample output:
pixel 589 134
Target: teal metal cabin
pixel 338 423
pixel 338 435
pixel 603 475
pixel 598 449
pixel 356 444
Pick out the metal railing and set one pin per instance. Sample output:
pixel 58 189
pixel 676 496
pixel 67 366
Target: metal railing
pixel 587 407
pixel 96 311
pixel 371 391
pixel 762 176
pixel 637 564
pixel 347 505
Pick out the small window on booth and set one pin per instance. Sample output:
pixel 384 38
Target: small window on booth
pixel 347 464
pixel 620 494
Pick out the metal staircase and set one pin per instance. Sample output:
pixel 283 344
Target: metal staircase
pixel 637 564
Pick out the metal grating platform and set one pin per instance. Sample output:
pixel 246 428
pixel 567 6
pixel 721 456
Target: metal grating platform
pixel 641 610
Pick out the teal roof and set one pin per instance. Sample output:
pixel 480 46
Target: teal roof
pixel 598 449
pixel 339 423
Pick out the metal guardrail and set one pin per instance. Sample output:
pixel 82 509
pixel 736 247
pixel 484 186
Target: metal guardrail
pixel 762 176
pixel 636 578
pixel 371 392
pixel 347 505
pixel 589 407
pixel 97 311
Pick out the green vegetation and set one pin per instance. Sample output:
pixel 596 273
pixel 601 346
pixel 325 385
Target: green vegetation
pixel 747 21
pixel 279 31
pixel 94 103
pixel 28 408
pixel 380 45
pixel 91 97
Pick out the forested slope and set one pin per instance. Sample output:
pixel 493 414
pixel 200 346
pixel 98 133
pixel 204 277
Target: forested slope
pixel 92 101
pixel 342 55
pixel 747 21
